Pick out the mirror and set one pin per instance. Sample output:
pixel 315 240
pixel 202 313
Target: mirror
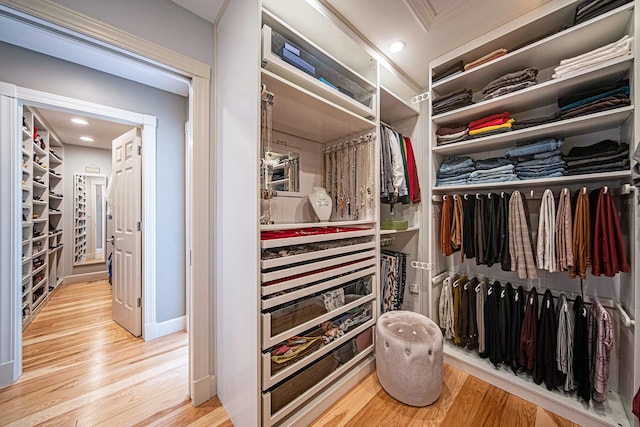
pixel 283 171
pixel 89 219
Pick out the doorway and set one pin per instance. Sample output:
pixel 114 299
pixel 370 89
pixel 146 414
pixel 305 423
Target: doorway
pixel 137 55
pixel 67 166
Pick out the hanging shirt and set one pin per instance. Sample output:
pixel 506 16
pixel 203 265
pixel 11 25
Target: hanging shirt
pixel 520 239
pixel 481 297
pixel 600 344
pixel 529 333
pixel 545 367
pixel 397 165
pixel 564 232
pixel 581 237
pixel 445 309
pixel 564 346
pixel 581 364
pixel 546 247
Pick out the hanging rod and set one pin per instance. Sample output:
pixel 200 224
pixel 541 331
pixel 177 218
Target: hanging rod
pixel 606 302
pixel 624 189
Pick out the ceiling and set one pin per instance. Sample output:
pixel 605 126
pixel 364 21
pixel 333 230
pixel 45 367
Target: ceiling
pixel 103 132
pixel 429 28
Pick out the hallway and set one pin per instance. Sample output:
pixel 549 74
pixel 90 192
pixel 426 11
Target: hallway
pixel 81 368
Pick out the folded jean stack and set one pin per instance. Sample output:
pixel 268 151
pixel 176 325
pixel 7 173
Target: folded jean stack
pixel 511 82
pixel 541 159
pixel 589 9
pixel 490 125
pixel 593 58
pixel 453 100
pixel 604 97
pixel 603 156
pixel 455 171
pixel 496 169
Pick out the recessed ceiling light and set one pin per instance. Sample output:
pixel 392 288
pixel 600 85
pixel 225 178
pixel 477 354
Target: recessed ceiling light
pixel 397 46
pixel 80 121
pixel 87 138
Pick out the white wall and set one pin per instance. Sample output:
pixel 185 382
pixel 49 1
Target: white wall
pixel 237 129
pixel 75 159
pixel 41 72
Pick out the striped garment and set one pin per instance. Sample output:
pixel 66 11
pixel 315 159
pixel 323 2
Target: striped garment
pixel 520 250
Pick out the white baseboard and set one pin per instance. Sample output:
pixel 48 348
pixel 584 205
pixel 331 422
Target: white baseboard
pixel 86 277
pixel 202 390
pixel 6 374
pixel 160 329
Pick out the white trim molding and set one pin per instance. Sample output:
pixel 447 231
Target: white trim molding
pixel 149 231
pixel 74 25
pixel 10 254
pixel 85 277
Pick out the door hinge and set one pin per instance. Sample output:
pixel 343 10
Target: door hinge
pixel 139 302
pixel 139 226
pixel 139 150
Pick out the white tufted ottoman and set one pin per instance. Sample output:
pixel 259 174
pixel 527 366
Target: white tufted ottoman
pixel 409 357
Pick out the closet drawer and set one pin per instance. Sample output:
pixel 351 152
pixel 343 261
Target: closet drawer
pixel 309 314
pixel 305 273
pixel 288 255
pixel 307 236
pixel 285 398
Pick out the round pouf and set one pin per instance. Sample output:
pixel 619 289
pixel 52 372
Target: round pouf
pixel 409 357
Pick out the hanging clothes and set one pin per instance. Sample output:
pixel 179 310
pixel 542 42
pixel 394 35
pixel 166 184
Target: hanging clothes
pixel 445 226
pixel 413 182
pixel 445 309
pixel 581 364
pixel 505 309
pixel 458 311
pixel 468 214
pixel 386 170
pixel 491 323
pixel 457 225
pixel 581 236
pixel 491 250
pixel 520 248
pixel 517 317
pixel 480 233
pixel 481 298
pixel 600 344
pixel 545 367
pixel 609 255
pixel 546 247
pixel 564 346
pixel 564 232
pixel 503 232
pixel 393 269
pixel 529 333
pixel 469 327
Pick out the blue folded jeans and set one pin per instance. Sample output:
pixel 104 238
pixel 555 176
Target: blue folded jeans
pixel 535 148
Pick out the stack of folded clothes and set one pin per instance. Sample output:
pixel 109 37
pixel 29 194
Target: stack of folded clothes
pixel 603 156
pixel 443 72
pixel 588 9
pixel 595 100
pixel 536 121
pixel 496 169
pixel 450 134
pixel 510 82
pixel 490 125
pixel 596 57
pixel 451 101
pixel 455 171
pixel 486 58
pixel 541 159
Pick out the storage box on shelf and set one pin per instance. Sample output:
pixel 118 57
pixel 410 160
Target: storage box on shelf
pixel 539 100
pixel 292 56
pixel 318 304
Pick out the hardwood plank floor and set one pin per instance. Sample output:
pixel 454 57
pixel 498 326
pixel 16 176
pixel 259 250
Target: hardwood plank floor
pixel 81 368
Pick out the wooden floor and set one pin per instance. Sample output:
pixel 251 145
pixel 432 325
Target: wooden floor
pixel 80 368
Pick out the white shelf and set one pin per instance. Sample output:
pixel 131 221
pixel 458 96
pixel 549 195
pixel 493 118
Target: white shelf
pixel 290 226
pixel 38 185
pixel 39 220
pixel 39 151
pixel 537 183
pixel 299 112
pixel 611 413
pixel 539 95
pixel 394 109
pixel 289 72
pixel 571 42
pixel 408 230
pixel 275 243
pixel 561 129
pixel 309 256
pixel 37 254
pixel 39 269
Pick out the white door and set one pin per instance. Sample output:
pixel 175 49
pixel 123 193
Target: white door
pixel 127 216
